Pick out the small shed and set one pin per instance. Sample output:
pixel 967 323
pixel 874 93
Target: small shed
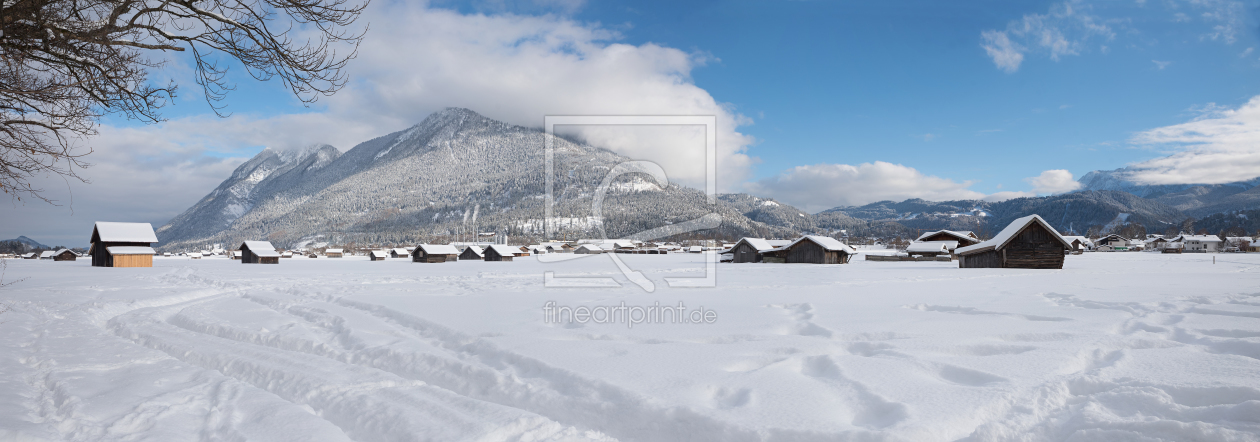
pixel 65 255
pixel 194 256
pixel 132 241
pixel 1027 243
pixel 931 248
pixel 378 255
pixel 31 255
pixel 434 253
pixel 500 252
pixel 259 252
pixel 963 237
pixel 588 249
pixel 813 250
pixel 471 253
pixel 334 253
pixel 47 254
pixel 399 253
pixel 751 249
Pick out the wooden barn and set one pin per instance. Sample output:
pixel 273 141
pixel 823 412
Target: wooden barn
pixel 399 253
pixel 65 255
pixel 47 254
pixel 122 244
pixel 334 253
pixel 434 253
pixel 964 238
pixel 1027 243
pixel 500 252
pixel 471 253
pixel 751 249
pixel 378 255
pixel 31 255
pixel 812 250
pixel 259 252
pixel 588 249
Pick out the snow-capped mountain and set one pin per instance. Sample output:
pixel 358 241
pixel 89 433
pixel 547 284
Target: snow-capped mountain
pixel 451 176
pixel 1194 199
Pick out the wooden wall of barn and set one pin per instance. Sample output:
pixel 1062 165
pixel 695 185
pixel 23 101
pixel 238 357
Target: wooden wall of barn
pixel 133 261
pixel 1034 248
pixel 982 260
pixel 492 255
pixel 812 253
pixel 102 258
pixel 745 253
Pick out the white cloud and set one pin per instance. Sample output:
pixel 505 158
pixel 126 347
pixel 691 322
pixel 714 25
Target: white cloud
pixel 1006 54
pixel 823 186
pixel 1161 64
pixel 1220 146
pixel 1053 181
pixel 1062 31
pixel 414 61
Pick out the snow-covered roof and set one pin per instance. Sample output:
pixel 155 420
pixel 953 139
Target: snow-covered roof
pixel 1200 238
pixel 130 250
pixel 124 232
pixel 476 250
pixel 263 249
pixel 763 244
pixel 828 243
pixel 930 246
pixel 1082 239
pixel 963 235
pixel 503 250
pixel 695 249
pixel 402 251
pixel 1006 235
pixel 64 251
pixel 327 251
pixel 379 254
pixel 438 249
pixel 46 254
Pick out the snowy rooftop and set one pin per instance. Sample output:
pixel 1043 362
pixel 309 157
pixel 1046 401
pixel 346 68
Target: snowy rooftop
pixel 963 234
pixel 379 253
pixel 932 246
pixel 827 243
pixel 125 232
pixel 263 249
pixel 765 244
pixel 439 249
pixel 1200 238
pixel 477 250
pixel 503 250
pixel 1006 235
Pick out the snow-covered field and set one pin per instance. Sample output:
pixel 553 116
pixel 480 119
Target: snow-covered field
pixel 1116 346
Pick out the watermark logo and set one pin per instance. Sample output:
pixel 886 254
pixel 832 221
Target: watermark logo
pixel 653 170
pixel 629 315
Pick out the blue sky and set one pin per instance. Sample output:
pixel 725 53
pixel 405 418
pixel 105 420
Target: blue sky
pixel 821 103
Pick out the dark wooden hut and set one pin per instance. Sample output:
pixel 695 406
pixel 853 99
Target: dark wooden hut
pixel 471 253
pixel 259 252
pixel 814 250
pixel 751 249
pixel 378 255
pixel 122 244
pixel 500 252
pixel 399 253
pixel 65 255
pixel 434 253
pixel 1027 243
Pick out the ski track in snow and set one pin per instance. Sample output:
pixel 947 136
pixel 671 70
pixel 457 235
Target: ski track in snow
pixel 302 360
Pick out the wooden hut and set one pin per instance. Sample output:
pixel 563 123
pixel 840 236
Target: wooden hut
pixel 472 253
pixel 122 244
pixel 47 254
pixel 813 250
pixel 334 253
pixel 500 252
pixel 434 253
pixel 378 255
pixel 963 237
pixel 588 249
pixel 1027 243
pixel 31 255
pixel 399 253
pixel 259 252
pixel 65 255
pixel 751 249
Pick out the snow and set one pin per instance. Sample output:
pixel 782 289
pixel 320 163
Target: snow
pixel 1007 234
pixel 125 232
pixel 262 249
pixel 932 246
pixel 1124 346
pixel 122 250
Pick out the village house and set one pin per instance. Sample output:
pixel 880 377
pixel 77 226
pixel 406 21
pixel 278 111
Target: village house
pixel 1080 243
pixel 259 252
pixel 1200 243
pixel 122 244
pixel 1028 243
pixel 432 253
pixel 1112 243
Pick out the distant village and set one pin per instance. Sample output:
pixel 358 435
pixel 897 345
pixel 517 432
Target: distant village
pixel 1028 242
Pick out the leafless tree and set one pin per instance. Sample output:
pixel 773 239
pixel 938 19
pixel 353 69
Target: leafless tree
pixel 64 64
